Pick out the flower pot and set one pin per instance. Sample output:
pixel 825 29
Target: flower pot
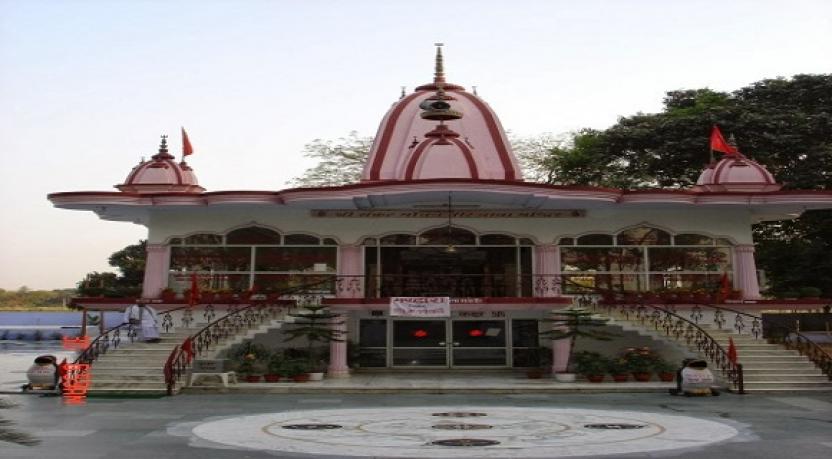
pixel 642 376
pixel 303 377
pixel 595 378
pixel 251 378
pixel 316 376
pixel 620 378
pixel 667 376
pixel 272 378
pixel 565 377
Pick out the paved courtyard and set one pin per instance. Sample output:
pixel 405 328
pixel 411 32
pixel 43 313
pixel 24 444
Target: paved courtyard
pixel 436 426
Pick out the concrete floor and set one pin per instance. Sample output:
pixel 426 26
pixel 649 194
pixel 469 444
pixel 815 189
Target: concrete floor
pixel 777 426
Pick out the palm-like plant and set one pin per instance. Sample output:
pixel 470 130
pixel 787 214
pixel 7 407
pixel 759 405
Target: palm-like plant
pixel 574 322
pixel 314 323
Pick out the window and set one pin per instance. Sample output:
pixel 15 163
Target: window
pixel 644 258
pixel 445 236
pixel 253 235
pixel 253 257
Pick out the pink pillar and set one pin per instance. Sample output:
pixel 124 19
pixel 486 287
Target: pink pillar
pixel 156 270
pixel 350 271
pixel 338 350
pixel 350 285
pixel 547 270
pixel 745 272
pixel 560 354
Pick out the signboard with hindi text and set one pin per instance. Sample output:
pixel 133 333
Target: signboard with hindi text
pixel 420 306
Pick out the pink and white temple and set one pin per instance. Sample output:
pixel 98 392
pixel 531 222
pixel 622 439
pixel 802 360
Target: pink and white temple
pixel 442 210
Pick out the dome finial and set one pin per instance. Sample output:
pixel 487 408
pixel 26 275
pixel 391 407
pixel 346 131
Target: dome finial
pixel 163 147
pixel 439 71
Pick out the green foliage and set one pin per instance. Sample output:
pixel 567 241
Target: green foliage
pixel 574 322
pixel 314 324
pixel 339 162
pixel 25 298
pixel 130 262
pixel 641 360
pixel 590 363
pixel 617 366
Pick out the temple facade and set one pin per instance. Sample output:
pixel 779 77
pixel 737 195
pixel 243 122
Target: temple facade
pixel 442 211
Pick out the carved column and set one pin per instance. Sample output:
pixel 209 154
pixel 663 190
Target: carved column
pixel 156 270
pixel 547 270
pixel 745 272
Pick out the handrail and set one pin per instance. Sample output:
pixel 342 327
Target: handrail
pixel 803 344
pixel 111 338
pixel 692 332
pixel 237 318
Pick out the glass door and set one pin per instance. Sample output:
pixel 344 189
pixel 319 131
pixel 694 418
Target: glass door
pixel 478 343
pixel 420 343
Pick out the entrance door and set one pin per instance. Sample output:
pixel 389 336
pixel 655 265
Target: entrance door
pixel 420 343
pixel 478 343
pixel 426 343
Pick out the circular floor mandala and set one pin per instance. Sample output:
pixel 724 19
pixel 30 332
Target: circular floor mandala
pixel 509 432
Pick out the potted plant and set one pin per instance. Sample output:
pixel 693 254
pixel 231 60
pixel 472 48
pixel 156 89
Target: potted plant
pixel 274 368
pixel 248 357
pixel 591 364
pixel 297 370
pixel 639 363
pixel 666 371
pixel 314 324
pixel 617 367
pixel 571 323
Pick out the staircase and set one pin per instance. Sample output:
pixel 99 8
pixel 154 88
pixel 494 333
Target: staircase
pixel 771 367
pixel 138 368
pixel 766 367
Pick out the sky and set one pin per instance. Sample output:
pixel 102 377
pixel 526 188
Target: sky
pixel 87 86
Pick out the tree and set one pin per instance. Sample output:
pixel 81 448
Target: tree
pixel 785 124
pixel 339 162
pixel 130 261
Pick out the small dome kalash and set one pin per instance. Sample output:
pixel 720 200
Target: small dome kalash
pixel 441 131
pixel 736 173
pixel 162 174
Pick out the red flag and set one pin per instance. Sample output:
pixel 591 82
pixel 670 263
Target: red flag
pixel 724 284
pixel 194 298
pixel 187 148
pixel 732 351
pixel 718 142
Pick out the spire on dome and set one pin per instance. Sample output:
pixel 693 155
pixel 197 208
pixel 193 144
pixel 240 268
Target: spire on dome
pixel 163 149
pixel 439 71
pixel 732 141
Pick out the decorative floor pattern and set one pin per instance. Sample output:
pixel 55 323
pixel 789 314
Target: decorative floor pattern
pixel 464 432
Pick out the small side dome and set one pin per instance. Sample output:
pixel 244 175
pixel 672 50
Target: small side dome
pixel 737 173
pixel 161 175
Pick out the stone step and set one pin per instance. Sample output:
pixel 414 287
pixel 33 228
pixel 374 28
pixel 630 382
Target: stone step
pixel 108 391
pixel 758 390
pixel 157 375
pixel 129 363
pixel 772 358
pixel 786 385
pixel 118 383
pixel 764 352
pixel 795 369
pixel 771 377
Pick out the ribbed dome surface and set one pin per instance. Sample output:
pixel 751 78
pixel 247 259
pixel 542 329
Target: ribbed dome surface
pixel 735 172
pixel 161 174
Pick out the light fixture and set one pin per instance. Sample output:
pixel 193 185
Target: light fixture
pixel 450 248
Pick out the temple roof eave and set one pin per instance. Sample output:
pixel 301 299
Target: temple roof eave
pixel 488 194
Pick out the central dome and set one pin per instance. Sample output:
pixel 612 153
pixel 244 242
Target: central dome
pixel 409 146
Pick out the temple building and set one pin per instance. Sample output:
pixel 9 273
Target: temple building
pixel 442 211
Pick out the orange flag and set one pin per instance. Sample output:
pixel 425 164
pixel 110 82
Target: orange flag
pixel 187 148
pixel 732 351
pixel 718 142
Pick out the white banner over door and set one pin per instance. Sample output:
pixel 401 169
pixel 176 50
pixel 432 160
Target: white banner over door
pixel 420 306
